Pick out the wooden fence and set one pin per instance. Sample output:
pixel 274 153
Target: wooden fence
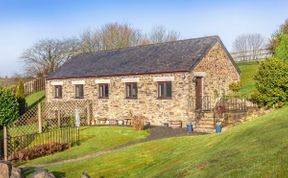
pixel 45 123
pixel 2 144
pixel 34 85
pixel 250 55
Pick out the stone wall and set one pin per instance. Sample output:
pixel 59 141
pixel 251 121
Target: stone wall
pixel 216 65
pixel 219 72
pixel 158 111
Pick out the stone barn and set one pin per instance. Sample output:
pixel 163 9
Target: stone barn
pixel 168 83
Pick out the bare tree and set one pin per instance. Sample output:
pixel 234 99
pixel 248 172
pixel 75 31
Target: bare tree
pixel 159 34
pixel 47 55
pixel 249 45
pixel 110 36
pixel 116 36
pixel 90 41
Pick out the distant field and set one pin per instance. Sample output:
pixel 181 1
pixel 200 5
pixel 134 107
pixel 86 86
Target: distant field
pixel 248 71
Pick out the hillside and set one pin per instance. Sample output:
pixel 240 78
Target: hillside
pixel 257 148
pixel 34 98
pixel 248 71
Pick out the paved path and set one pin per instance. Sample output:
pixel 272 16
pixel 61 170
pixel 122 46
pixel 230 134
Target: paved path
pixel 155 134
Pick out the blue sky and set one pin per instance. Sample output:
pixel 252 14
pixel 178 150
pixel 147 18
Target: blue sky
pixel 23 23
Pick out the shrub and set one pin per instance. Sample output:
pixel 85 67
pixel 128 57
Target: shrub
pixel 138 122
pixel 281 51
pixel 20 89
pixel 235 87
pixel 38 151
pixel 8 107
pixel 271 83
pixel 21 98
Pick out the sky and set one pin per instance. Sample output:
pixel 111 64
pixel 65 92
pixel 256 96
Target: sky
pixel 24 22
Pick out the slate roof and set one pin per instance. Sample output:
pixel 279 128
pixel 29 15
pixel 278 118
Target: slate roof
pixel 176 56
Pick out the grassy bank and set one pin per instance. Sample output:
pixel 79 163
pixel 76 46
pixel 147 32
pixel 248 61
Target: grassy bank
pixel 34 98
pixel 248 71
pixel 254 149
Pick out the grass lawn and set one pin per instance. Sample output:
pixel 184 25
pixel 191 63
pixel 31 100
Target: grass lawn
pixel 94 139
pixel 248 71
pixel 34 98
pixel 257 148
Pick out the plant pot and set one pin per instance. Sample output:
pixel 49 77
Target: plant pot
pixel 189 128
pixel 218 128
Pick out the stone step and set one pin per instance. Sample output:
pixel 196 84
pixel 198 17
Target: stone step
pixel 204 130
pixel 206 119
pixel 210 115
pixel 204 126
pixel 205 122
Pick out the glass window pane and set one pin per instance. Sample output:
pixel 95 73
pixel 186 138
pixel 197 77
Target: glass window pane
pixel 100 91
pixel 160 89
pixel 106 90
pixel 79 91
pixel 131 90
pixel 82 91
pixel 58 91
pixel 134 90
pixel 168 89
pixel 127 90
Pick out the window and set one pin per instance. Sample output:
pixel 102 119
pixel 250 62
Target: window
pixel 103 91
pixel 131 90
pixel 57 91
pixel 165 89
pixel 79 91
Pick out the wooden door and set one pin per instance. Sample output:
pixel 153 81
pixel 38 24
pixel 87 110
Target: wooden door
pixel 198 92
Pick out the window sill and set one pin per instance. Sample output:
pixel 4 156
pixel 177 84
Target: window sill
pixel 79 98
pixel 164 98
pixel 130 98
pixel 103 98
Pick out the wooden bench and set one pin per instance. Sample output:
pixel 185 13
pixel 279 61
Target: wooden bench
pixel 175 124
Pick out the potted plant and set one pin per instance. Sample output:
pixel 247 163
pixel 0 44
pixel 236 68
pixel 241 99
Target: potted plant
pixel 189 127
pixel 219 111
pixel 218 126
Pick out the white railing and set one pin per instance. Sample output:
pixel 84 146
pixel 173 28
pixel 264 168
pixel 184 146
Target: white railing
pixel 251 55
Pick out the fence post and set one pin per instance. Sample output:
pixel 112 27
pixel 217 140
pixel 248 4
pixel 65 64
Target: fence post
pixel 5 140
pixel 39 118
pixel 59 118
pixel 88 113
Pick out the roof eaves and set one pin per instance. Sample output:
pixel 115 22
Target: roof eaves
pixel 115 75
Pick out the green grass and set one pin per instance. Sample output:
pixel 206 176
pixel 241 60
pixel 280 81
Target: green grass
pixel 256 148
pixel 15 131
pixel 94 139
pixel 248 71
pixel 34 98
